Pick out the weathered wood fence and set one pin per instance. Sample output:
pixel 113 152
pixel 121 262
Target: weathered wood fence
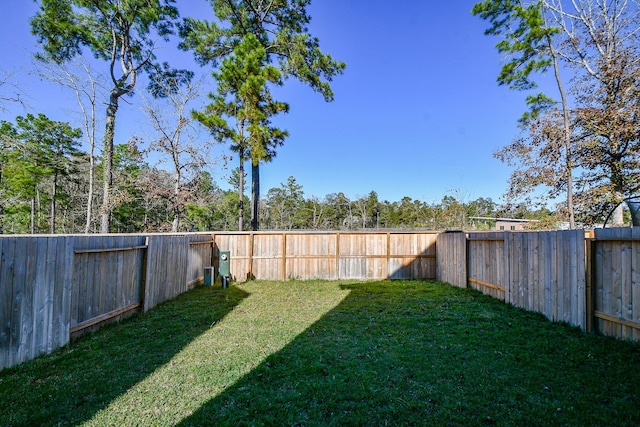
pixel 330 255
pixel 52 287
pixel 55 287
pixel 587 279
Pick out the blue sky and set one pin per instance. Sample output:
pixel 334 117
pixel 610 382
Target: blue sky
pixel 417 112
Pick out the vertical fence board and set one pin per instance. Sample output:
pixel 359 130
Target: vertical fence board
pixel 41 298
pixel 7 262
pixel 635 281
pixel 555 265
pixel 18 279
pixel 579 282
pixel 60 261
pixel 29 314
pixel 548 258
pixel 451 259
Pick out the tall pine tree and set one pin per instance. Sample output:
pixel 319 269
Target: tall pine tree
pixel 281 27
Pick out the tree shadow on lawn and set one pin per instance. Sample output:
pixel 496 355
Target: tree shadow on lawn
pixel 72 384
pixel 420 353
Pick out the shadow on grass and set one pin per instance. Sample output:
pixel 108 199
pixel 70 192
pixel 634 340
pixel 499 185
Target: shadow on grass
pixel 420 353
pixel 71 385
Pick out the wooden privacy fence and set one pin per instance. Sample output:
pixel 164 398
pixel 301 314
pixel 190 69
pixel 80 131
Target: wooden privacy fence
pixel 330 255
pixel 52 287
pixel 615 279
pixel 587 279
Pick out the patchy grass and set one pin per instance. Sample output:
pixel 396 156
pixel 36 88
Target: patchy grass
pixel 330 353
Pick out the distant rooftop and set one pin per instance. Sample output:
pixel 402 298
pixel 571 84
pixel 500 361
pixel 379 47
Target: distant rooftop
pixel 503 219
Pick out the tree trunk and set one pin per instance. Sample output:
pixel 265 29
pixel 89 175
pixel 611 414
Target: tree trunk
pixel 241 195
pixel 567 136
pixel 255 196
pixel 175 223
pixel 53 203
pixel 32 224
pixel 176 202
pixel 109 135
pixel 87 225
pixel 617 217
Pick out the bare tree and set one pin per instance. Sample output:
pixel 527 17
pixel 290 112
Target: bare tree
pixel 86 84
pixel 529 40
pixel 177 140
pixel 9 91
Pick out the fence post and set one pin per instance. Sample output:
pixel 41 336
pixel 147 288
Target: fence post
pixel 589 288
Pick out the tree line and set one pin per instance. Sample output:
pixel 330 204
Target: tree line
pixel 44 188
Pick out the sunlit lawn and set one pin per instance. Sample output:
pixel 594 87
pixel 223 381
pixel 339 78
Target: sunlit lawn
pixel 330 353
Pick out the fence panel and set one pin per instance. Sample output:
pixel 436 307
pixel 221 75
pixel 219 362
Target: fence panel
pixel 451 259
pixel 616 282
pixel 35 294
pixel 107 277
pixel 547 271
pixel 329 255
pixel 486 265
pixel 311 256
pixel 166 270
pixel 362 256
pixel 411 255
pixel 241 247
pixel 200 256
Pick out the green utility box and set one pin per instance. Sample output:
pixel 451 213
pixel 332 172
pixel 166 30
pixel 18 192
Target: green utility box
pixel 208 276
pixel 224 268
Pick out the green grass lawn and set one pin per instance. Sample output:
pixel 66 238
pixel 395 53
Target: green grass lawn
pixel 330 353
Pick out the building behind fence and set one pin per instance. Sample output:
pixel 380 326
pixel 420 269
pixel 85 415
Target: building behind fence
pixel 55 287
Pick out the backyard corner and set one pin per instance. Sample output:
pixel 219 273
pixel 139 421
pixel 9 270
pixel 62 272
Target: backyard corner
pixel 330 353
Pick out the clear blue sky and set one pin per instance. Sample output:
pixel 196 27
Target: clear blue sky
pixel 417 112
